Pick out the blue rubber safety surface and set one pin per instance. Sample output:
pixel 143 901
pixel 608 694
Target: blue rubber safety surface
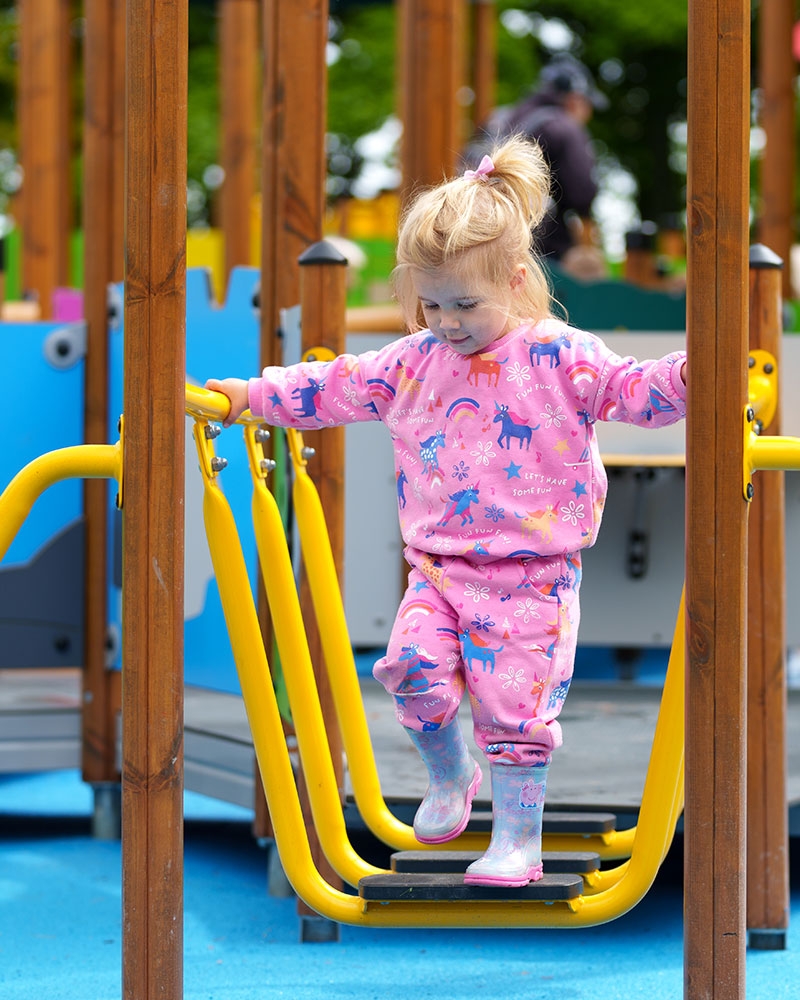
pixel 60 926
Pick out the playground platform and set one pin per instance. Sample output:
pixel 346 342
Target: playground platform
pixel 608 728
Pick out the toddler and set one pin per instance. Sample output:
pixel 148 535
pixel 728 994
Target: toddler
pixel 491 403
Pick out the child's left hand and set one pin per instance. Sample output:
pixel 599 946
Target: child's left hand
pixel 236 391
pixel 683 373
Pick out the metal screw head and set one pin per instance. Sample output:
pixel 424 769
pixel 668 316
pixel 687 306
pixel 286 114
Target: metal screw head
pixel 750 414
pixel 117 503
pixel 311 357
pixel 212 431
pixel 268 464
pixel 749 491
pixel 769 368
pixel 218 464
pixel 758 426
pixel 307 453
pixel 262 435
pixel 751 362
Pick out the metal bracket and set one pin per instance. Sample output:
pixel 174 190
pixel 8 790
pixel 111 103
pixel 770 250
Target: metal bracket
pixel 762 386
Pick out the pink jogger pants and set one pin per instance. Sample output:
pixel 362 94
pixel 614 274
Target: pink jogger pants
pixel 505 630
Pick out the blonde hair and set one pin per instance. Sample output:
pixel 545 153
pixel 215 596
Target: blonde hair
pixel 480 228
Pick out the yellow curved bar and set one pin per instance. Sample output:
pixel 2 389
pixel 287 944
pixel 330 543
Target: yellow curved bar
pixel 635 877
pixel 82 461
pixel 237 601
pixel 207 404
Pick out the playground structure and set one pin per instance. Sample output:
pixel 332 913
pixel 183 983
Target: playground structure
pixel 154 293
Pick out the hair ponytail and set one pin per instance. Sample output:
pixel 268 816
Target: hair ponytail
pixel 480 224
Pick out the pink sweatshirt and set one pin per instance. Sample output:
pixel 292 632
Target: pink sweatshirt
pixel 495 453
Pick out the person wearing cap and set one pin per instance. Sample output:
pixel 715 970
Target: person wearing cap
pixel 555 115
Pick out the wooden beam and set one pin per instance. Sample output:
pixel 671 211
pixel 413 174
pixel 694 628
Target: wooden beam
pixel 484 59
pixel 431 66
pixel 100 193
pixel 718 189
pixel 776 71
pixel 238 64
pixel 152 614
pixel 44 146
pixel 293 178
pixel 767 811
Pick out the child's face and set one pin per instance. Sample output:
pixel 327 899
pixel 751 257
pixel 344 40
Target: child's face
pixel 459 314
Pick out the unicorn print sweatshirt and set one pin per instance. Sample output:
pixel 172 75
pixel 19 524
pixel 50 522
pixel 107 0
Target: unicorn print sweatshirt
pixel 495 453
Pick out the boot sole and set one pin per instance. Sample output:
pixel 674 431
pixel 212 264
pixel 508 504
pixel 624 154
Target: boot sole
pixel 472 791
pixel 535 872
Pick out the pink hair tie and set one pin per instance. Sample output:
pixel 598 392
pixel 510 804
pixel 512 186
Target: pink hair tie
pixel 484 167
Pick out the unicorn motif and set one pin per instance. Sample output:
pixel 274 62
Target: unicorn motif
pixel 459 504
pixel 484 364
pixel 513 426
pixel 538 520
pixel 550 349
pixel 408 381
pixel 307 396
pixel 414 680
pixel 474 648
pixel 428 452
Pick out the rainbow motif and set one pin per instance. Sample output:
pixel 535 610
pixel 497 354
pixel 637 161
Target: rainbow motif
pixel 463 407
pixel 582 371
pixel 632 382
pixel 607 409
pixel 417 608
pixel 380 388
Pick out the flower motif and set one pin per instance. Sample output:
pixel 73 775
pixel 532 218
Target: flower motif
pixel 483 452
pixel 518 373
pixel 495 513
pixel 477 591
pixel 350 394
pixel 417 488
pixel 526 610
pixel 482 622
pixel 572 512
pixel 553 416
pixel 513 679
pixel 452 661
pixel 460 471
pixel 442 544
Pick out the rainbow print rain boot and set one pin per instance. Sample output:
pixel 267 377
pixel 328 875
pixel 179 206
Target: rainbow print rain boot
pixel 454 778
pixel 514 856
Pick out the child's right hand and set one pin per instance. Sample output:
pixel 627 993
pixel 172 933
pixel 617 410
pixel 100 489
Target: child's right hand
pixel 236 391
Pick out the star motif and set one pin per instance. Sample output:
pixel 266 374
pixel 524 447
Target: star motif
pixel 579 489
pixel 512 470
pixel 561 446
pixel 421 585
pixel 275 399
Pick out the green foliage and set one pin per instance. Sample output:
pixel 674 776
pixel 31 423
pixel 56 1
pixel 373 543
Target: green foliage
pixel 361 83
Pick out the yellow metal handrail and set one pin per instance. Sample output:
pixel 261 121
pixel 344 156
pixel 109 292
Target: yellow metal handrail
pixel 82 461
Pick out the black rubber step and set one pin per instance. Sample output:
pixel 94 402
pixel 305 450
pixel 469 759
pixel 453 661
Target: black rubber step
pixel 409 887
pixel 555 862
pixel 554 822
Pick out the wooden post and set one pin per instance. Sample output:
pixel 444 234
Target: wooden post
pixel 767 815
pixel 718 189
pixel 101 194
pixel 323 273
pixel 152 614
pixel 44 147
pixel 431 45
pixel 238 50
pixel 776 69
pixel 293 178
pixel 484 59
